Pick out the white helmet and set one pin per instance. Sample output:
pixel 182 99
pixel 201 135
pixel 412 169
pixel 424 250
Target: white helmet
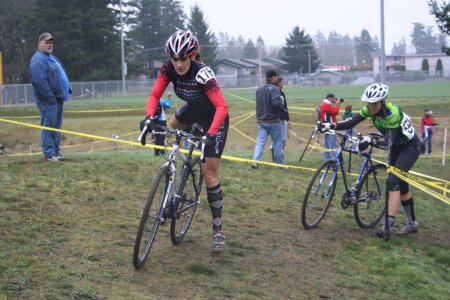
pixel 182 43
pixel 375 92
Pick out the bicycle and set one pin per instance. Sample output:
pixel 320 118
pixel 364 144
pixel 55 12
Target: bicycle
pixel 367 196
pixel 173 195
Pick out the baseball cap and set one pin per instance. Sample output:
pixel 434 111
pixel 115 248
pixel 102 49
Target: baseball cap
pixel 271 73
pixel 330 95
pixel 45 37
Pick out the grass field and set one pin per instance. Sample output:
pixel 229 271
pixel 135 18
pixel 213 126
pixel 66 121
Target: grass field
pixel 67 229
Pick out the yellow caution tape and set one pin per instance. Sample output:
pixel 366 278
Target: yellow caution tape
pixel 406 176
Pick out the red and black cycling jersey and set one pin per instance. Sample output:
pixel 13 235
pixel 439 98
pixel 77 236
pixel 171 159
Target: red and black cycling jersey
pixel 198 87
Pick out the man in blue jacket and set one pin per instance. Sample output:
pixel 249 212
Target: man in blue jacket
pixel 51 89
pixel 269 103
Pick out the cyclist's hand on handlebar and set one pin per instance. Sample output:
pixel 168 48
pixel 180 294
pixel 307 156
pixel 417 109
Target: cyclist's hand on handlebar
pixel 324 127
pixel 148 124
pixel 364 142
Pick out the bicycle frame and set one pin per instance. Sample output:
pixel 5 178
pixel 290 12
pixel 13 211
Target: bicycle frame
pixel 186 168
pixel 361 195
pixel 339 160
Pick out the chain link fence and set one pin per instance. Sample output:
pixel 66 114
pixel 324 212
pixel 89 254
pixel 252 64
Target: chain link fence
pixel 22 94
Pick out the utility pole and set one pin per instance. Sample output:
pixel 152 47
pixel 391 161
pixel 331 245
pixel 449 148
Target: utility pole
pixel 260 67
pixel 122 53
pixel 383 53
pixel 1 80
pixel 309 62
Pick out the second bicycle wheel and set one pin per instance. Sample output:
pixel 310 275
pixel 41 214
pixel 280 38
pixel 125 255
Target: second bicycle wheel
pixel 150 219
pixel 319 194
pixel 371 202
pixel 187 203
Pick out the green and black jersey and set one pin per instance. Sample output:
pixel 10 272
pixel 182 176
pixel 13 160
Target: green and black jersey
pixel 390 121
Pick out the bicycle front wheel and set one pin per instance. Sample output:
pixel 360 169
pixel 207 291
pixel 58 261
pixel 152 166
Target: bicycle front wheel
pixel 186 205
pixel 319 194
pixel 370 206
pixel 150 219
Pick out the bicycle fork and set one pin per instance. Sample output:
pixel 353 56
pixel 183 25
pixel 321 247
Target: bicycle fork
pixel 162 216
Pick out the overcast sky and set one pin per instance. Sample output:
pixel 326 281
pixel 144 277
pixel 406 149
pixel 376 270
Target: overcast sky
pixel 274 20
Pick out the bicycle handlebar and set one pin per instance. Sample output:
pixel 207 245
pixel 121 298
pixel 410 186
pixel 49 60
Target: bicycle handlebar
pixel 143 136
pixel 374 135
pixel 178 133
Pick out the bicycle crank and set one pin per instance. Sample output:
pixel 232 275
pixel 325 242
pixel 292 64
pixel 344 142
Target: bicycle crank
pixel 346 201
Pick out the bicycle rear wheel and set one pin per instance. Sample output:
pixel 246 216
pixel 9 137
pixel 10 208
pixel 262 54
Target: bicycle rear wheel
pixel 150 219
pixel 371 193
pixel 319 194
pixel 186 205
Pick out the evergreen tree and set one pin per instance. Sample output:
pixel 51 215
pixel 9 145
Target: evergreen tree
pixel 319 38
pixel 87 41
pixel 364 47
pixel 223 42
pixel 16 43
pixel 207 40
pixel 337 50
pixel 423 39
pixel 441 11
pixel 234 51
pixel 250 50
pixel 172 17
pixel 399 49
pixel 261 47
pixel 148 34
pixel 300 52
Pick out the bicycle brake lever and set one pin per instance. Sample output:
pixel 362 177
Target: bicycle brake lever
pixel 202 155
pixel 142 136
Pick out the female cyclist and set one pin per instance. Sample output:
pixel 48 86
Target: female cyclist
pixel 400 140
pixel 195 83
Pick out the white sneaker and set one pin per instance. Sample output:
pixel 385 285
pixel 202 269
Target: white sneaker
pixel 51 158
pixel 218 242
pixel 410 228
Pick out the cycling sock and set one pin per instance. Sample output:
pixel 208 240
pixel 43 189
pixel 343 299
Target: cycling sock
pixel 215 199
pixel 408 207
pixel 391 220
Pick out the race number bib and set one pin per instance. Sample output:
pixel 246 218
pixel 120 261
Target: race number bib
pixel 407 128
pixel 204 75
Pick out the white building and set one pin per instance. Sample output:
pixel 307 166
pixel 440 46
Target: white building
pixel 434 64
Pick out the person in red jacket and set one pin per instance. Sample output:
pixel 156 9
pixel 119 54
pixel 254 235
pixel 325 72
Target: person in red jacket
pixel 427 129
pixel 329 109
pixel 195 83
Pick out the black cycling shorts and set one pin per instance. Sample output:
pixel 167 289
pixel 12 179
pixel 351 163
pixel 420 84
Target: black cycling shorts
pixel 185 116
pixel 403 158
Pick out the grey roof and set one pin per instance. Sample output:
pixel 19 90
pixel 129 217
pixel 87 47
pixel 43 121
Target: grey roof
pixel 275 61
pixel 236 63
pixel 255 62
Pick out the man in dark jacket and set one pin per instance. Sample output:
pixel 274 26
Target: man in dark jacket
pixel 51 89
pixel 269 103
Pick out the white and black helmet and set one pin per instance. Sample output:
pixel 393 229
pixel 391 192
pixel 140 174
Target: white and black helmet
pixel 181 44
pixel 375 92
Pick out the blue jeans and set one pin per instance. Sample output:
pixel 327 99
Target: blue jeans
pixel 330 143
pixel 274 130
pixel 284 128
pixel 51 116
pixel 428 143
